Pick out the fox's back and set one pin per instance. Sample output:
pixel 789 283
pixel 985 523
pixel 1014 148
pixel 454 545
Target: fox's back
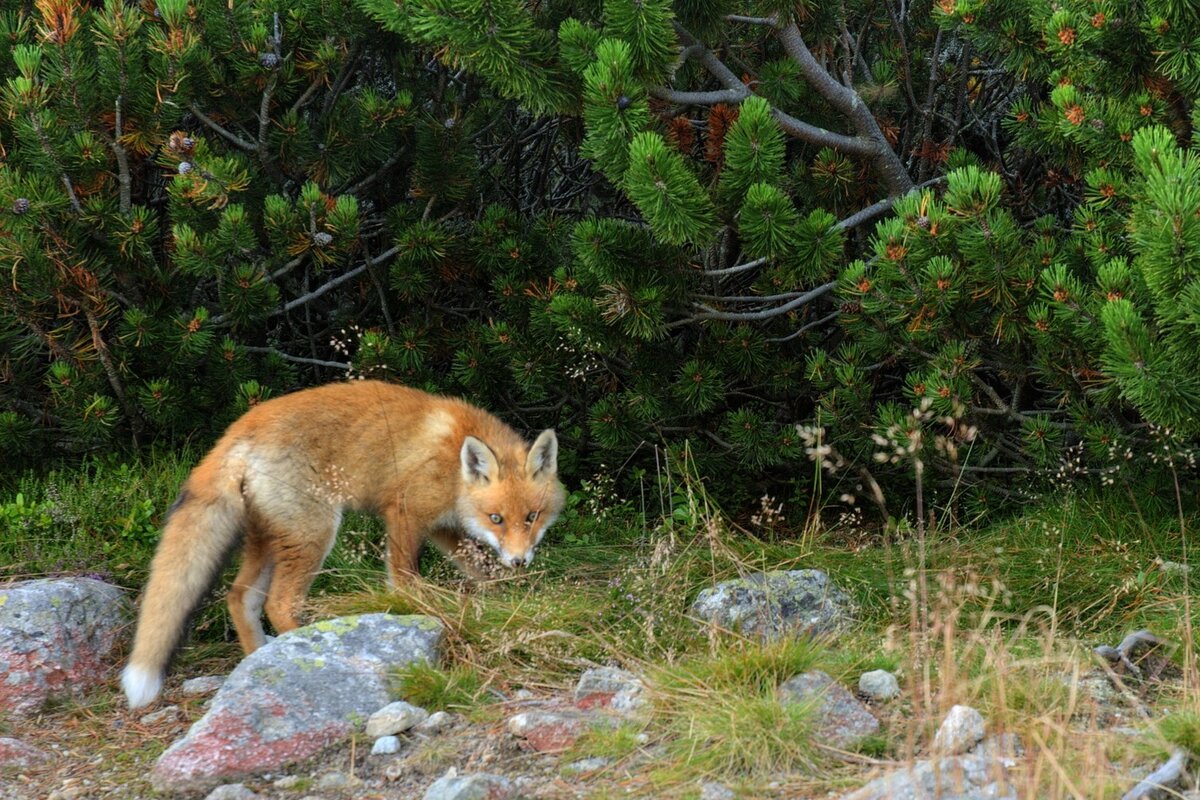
pixel 359 440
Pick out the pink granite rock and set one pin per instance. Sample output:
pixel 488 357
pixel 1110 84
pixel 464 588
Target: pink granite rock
pixel 55 637
pixel 303 691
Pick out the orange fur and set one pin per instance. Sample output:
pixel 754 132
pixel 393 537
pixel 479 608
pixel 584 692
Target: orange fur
pixel 433 467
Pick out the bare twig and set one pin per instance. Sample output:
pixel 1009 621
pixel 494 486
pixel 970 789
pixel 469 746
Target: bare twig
pixel 755 316
pixel 246 145
pixel 298 359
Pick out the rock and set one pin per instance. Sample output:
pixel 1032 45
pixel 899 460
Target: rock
pixel 201 686
pixel 586 765
pixel 164 714
pixel 879 685
pixel 307 689
pixel 55 637
pixel 775 604
pixel 610 687
pixel 1000 746
pixel 386 746
pixel 711 790
pixel 962 728
pixel 969 777
pixel 434 724
pixel 841 719
pixel 1174 568
pixel 333 781
pixel 395 717
pixel 289 782
pixel 15 753
pixel 232 791
pixel 548 731
pixel 479 786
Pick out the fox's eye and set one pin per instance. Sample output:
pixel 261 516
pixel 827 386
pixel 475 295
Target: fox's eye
pixel 496 519
pixel 533 515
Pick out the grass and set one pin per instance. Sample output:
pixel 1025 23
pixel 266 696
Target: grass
pixel 1012 610
pixel 454 688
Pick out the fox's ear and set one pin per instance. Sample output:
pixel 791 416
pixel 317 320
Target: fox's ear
pixel 479 463
pixel 542 460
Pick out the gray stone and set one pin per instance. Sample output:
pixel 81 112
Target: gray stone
pixel 284 703
pixel 968 777
pixel 164 714
pixel 479 786
pixel 332 781
pixel 586 765
pixel 288 782
pixel 203 685
pixel 841 719
pixel 55 638
pixel 386 746
pixel 879 685
pixel 613 688
pixel 607 680
pixel 232 791
pixel 434 724
pixel 711 790
pixel 962 728
pixel 1000 746
pixel 393 718
pixel 772 605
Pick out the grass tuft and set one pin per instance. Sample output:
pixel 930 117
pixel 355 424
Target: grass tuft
pixel 455 688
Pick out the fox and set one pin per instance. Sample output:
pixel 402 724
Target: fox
pixel 435 468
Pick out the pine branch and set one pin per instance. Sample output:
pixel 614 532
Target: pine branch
pixel 700 98
pixel 877 210
pixel 816 323
pixel 736 91
pixel 114 379
pixel 771 21
pixel 758 262
pixel 336 282
pixel 754 316
pixel 848 102
pixel 124 179
pixel 246 145
pixel 50 154
pixel 383 169
pixel 298 359
pixel 749 298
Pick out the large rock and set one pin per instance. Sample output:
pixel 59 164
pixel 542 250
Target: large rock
pixel 841 719
pixel 55 637
pixel 968 777
pixel 770 605
pixel 294 696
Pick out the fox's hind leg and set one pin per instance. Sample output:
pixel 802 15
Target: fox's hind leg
pixel 249 592
pixel 296 553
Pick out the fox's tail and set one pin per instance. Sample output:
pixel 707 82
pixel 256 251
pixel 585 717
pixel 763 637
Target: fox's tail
pixel 202 529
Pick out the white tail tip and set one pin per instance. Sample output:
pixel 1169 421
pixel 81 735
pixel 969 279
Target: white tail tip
pixel 141 685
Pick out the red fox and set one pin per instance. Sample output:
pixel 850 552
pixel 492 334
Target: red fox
pixel 435 468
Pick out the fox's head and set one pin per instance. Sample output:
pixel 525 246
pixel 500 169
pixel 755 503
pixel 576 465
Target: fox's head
pixel 509 499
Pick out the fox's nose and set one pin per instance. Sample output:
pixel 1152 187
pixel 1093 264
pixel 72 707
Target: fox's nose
pixel 518 561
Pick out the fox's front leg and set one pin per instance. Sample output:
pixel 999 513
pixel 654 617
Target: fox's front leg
pixel 404 542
